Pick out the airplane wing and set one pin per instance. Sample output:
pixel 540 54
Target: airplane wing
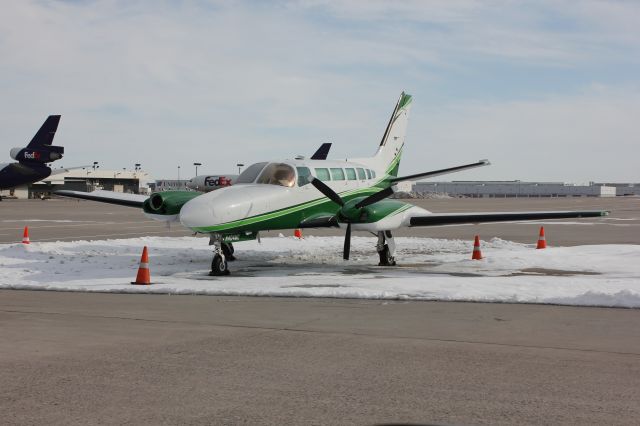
pixel 437 219
pixel 320 221
pixel 122 199
pixel 67 169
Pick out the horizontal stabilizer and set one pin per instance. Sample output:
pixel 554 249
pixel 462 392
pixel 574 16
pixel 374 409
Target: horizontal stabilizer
pixel 322 152
pixel 67 169
pixel 441 171
pixel 110 197
pixel 46 133
pixel 459 218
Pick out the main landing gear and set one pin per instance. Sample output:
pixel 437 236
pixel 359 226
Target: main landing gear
pixel 386 248
pixel 222 254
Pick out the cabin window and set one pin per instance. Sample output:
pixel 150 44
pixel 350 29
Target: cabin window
pixel 351 174
pixel 251 173
pixel 323 174
pixel 361 174
pixel 337 174
pixel 368 173
pixel 278 174
pixel 373 174
pixel 304 175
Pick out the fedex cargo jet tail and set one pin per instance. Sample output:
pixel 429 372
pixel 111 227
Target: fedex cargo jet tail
pixel 40 149
pixel 46 133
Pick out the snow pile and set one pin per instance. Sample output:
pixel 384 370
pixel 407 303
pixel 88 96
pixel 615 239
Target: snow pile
pixel 429 269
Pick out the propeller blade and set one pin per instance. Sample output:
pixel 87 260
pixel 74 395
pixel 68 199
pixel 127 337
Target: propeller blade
pixel 328 192
pixel 347 243
pixel 380 195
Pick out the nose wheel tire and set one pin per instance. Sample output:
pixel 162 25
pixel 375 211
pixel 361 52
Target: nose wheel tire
pixel 219 266
pixel 385 257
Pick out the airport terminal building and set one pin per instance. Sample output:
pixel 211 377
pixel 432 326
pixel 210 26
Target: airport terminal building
pixel 516 188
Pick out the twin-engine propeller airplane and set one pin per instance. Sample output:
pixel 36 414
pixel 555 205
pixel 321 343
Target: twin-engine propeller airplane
pixel 350 194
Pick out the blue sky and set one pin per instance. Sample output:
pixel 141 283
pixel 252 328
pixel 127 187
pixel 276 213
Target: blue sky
pixel 547 90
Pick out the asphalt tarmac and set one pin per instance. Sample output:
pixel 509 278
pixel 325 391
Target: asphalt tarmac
pixel 80 358
pixel 77 358
pixel 67 220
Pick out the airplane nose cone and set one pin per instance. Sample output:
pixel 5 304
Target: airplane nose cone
pixel 197 213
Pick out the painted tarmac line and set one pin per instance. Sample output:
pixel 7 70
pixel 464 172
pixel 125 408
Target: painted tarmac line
pixel 148 223
pixel 109 236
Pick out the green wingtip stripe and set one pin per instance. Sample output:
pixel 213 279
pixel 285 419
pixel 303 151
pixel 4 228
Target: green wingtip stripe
pixel 405 100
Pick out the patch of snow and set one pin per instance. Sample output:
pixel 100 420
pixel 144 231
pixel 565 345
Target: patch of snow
pixel 429 269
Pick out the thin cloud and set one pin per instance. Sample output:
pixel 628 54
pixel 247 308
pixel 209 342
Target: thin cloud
pixel 220 82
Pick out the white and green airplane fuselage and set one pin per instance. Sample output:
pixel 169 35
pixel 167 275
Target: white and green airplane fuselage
pixel 253 207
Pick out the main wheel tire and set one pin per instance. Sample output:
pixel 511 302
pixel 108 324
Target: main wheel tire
pixel 385 257
pixel 218 266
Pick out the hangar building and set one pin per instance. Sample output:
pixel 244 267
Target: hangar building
pixel 89 179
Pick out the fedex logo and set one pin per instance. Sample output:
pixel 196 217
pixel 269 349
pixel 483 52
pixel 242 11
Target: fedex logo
pixel 217 181
pixel 35 155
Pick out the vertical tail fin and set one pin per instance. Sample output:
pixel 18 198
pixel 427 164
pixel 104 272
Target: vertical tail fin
pixel 390 149
pixel 322 152
pixel 46 133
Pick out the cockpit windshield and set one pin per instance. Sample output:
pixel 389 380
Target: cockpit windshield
pixel 278 174
pixel 251 173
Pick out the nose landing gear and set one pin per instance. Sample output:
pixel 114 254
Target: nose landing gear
pixel 222 252
pixel 219 265
pixel 228 250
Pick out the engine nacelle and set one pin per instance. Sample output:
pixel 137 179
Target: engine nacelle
pixel 40 155
pixel 165 206
pixel 206 183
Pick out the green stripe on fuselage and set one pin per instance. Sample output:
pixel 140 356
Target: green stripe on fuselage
pixel 291 217
pixel 288 217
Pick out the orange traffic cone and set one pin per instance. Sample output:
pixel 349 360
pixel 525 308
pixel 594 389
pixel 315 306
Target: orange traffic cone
pixel 477 254
pixel 542 241
pixel 25 235
pixel 297 233
pixel 143 277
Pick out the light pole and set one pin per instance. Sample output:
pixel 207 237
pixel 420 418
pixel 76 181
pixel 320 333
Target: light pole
pixel 178 175
pixel 197 164
pixel 240 166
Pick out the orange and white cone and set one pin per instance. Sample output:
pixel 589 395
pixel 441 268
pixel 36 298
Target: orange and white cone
pixel 297 233
pixel 143 277
pixel 477 254
pixel 25 236
pixel 542 241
